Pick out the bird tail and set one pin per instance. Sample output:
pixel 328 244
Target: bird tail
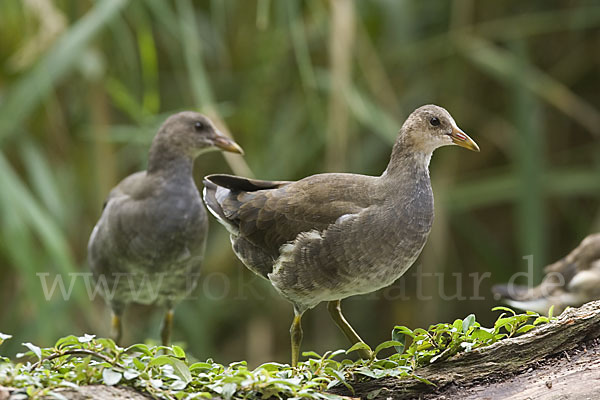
pixel 241 184
pixel 209 194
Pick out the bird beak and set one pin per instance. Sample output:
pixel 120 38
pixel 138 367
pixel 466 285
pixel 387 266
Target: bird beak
pixel 463 140
pixel 224 143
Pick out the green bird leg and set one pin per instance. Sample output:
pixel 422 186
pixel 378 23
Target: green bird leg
pixel 165 333
pixel 335 310
pixel 296 336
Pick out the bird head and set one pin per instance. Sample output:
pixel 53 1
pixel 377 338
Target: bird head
pixel 430 127
pixel 193 133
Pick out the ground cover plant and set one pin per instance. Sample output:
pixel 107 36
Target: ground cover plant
pixel 170 373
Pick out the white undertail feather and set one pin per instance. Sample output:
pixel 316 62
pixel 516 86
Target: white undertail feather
pixel 221 194
pixel 232 229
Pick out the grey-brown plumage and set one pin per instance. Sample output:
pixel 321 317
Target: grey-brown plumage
pixel 149 243
pixel 330 236
pixel 571 281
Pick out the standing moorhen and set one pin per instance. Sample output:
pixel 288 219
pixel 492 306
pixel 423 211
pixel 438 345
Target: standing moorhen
pixel 330 236
pixel 149 243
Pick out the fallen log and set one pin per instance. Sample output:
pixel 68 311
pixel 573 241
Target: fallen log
pixel 557 350
pixel 560 359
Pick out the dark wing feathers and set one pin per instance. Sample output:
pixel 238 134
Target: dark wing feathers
pixel 239 183
pixel 270 214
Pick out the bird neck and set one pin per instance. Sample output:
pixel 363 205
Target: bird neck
pixel 406 161
pixel 164 158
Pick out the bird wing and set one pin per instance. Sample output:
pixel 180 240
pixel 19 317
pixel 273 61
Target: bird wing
pixel 270 214
pixel 126 193
pixel 135 186
pixel 122 224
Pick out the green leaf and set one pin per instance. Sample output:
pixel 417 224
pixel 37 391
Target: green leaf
pixel 468 322
pixel 107 343
pixel 399 336
pixel 335 353
pixel 551 311
pixel 457 325
pixel 111 377
pixel 341 378
pixel 178 385
pixel 424 380
pixel 138 364
pixel 525 328
pixel 201 366
pixel 131 374
pixel 311 354
pixel 34 349
pixel 366 372
pixel 271 366
pixel 178 351
pixel 502 322
pixel 387 345
pixel 482 335
pixel 358 346
pixel 502 308
pixel 399 329
pixel 180 368
pixel 161 360
pixel 66 341
pixel 139 347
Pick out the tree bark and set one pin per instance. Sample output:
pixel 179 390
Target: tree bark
pixel 556 360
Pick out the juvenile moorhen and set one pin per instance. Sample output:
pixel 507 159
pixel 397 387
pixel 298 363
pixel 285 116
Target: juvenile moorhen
pixel 330 236
pixel 149 243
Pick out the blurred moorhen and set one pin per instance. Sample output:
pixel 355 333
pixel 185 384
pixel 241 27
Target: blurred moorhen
pixel 148 245
pixel 569 282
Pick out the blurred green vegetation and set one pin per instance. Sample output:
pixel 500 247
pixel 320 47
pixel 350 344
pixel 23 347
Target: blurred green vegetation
pixel 304 87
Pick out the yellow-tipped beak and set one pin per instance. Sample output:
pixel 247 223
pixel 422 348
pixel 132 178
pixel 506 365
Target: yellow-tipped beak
pixel 224 143
pixel 463 140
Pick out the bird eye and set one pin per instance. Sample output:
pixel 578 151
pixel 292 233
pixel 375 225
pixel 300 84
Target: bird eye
pixel 199 126
pixel 434 121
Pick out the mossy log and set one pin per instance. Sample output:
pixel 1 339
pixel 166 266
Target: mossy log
pixel 560 359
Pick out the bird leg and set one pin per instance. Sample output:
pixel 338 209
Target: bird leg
pixel 116 328
pixel 335 310
pixel 296 336
pixel 165 333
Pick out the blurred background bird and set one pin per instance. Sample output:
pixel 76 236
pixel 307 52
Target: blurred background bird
pixel 331 236
pixel 570 282
pixel 149 243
